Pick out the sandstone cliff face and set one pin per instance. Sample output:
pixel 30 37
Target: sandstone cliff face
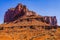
pixel 13 13
pixel 51 20
pixel 8 15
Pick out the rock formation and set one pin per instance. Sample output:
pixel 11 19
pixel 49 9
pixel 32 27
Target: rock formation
pixel 21 10
pixel 51 20
pixel 13 13
pixel 22 24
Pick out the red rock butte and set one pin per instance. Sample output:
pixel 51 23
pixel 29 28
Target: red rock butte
pixel 19 11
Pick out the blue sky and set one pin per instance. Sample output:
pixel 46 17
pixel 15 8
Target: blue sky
pixel 41 7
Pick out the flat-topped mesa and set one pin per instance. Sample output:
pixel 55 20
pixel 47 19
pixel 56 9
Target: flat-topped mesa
pixel 13 13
